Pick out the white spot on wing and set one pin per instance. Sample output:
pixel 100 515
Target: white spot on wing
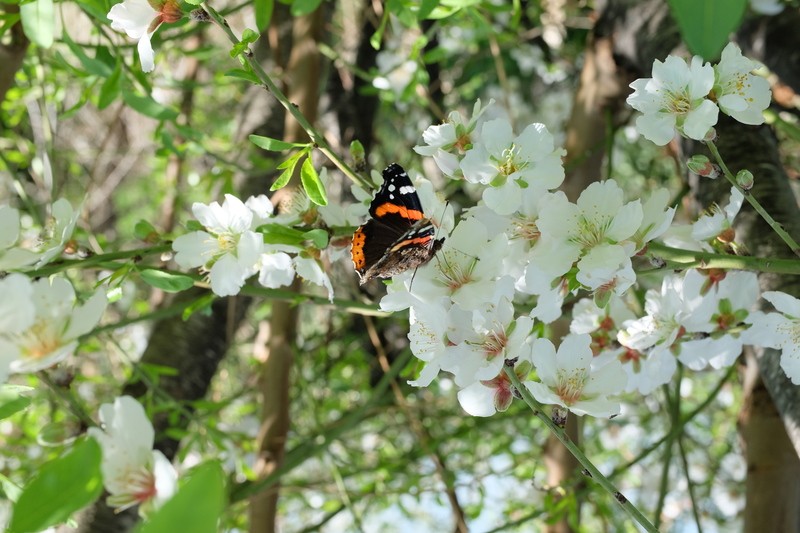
pixel 407 189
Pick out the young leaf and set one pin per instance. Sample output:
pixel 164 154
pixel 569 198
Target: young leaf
pixel 314 188
pixel 196 506
pixel 145 231
pixel 166 281
pixel 706 25
pixel 243 74
pixel 63 486
pixel 280 234
pixel 110 89
pixel 317 236
pixel 92 65
pixel 273 145
pixel 38 21
pixel 201 304
pixel 12 401
pixel 304 7
pixel 147 106
pixel 426 7
pixel 288 166
pixel 263 9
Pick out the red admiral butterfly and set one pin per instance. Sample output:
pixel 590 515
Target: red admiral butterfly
pixel 398 237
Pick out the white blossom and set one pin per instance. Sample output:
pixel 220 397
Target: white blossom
pixel 568 378
pixel 133 473
pixel 675 98
pixel 57 324
pixel 740 94
pixel 229 250
pixel 779 330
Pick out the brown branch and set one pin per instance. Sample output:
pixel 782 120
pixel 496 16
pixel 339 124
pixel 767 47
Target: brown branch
pixel 303 79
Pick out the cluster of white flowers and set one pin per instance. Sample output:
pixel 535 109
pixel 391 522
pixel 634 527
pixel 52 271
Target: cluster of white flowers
pixel 688 97
pixel 16 253
pixel 40 322
pixel 521 247
pixel 133 472
pixel 231 251
pixel 509 263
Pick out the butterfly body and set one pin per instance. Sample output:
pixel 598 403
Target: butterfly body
pixel 398 236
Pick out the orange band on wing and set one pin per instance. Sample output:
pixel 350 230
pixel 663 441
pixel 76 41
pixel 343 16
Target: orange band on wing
pixel 388 208
pixel 419 240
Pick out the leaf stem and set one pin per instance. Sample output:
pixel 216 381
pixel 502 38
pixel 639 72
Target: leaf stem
pixel 777 228
pixel 592 470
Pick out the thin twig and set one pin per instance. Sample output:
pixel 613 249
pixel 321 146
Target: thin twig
pixel 594 473
pixel 777 228
pixel 317 138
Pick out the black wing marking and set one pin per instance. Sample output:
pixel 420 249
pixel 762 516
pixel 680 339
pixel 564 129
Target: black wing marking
pixel 397 189
pixel 377 242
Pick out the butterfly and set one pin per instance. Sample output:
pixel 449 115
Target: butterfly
pixel 398 236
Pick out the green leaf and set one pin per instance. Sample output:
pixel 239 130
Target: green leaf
pixel 243 46
pixel 426 7
pixel 12 401
pixel 166 281
pixel 707 25
pixel 38 21
pixel 244 75
pixel 110 89
pixel 147 106
pixel 263 9
pixel 96 8
pixel 92 65
pixel 63 486
pixel 249 36
pixel 273 145
pixel 194 2
pixel 314 188
pixel 376 38
pixel 280 234
pixel 8 20
pixel 304 7
pixel 196 506
pixel 317 236
pixel 289 165
pixel 145 231
pixel 201 304
pixel 9 489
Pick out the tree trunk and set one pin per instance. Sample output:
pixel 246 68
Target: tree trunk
pixel 192 347
pixel 12 52
pixel 303 75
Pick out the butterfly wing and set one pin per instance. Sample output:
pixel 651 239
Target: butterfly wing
pixel 396 203
pixel 397 236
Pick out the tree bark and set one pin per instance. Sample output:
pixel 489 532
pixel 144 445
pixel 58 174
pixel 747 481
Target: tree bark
pixel 12 53
pixel 303 82
pixel 194 348
pixel 641 33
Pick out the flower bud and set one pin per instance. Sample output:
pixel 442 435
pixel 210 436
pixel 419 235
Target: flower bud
pixel 702 166
pixel 745 179
pixel 357 153
pixel 170 11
